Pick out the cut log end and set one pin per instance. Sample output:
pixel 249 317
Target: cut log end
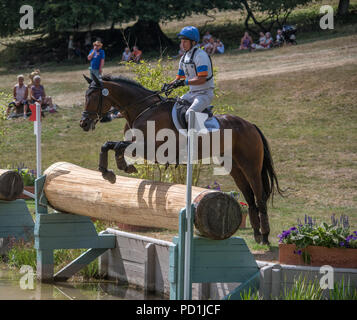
pixel 218 215
pixel 11 185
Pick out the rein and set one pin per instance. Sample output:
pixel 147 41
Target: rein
pixel 98 112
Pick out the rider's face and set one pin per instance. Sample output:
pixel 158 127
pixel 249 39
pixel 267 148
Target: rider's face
pixel 186 44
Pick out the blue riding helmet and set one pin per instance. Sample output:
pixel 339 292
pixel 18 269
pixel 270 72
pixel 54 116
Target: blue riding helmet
pixel 190 32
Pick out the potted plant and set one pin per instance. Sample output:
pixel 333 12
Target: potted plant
pixel 243 207
pixel 28 177
pixel 319 244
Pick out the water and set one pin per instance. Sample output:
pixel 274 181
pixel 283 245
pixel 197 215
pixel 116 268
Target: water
pixel 10 289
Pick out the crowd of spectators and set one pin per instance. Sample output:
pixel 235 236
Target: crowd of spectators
pixel 135 55
pixel 24 95
pixel 214 45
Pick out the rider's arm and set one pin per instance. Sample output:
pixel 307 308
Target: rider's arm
pixel 196 81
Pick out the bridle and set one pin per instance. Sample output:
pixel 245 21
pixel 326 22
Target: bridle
pixel 104 92
pixel 98 112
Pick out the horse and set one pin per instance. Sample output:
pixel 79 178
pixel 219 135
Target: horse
pixel 252 164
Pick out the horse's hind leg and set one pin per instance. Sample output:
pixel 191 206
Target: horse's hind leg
pixel 248 193
pixel 257 186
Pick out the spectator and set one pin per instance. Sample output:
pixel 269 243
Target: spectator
pixel 261 44
pixel 279 38
pixel 36 72
pixel 246 42
pixel 268 41
pixel 37 94
pixel 20 93
pixel 136 54
pixel 71 49
pixel 96 57
pixel 126 55
pixel 206 37
pixel 78 49
pixel 210 47
pixel 219 46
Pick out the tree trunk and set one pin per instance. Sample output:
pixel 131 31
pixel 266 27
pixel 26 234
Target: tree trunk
pixel 147 35
pixel 72 189
pixel 11 185
pixel 343 7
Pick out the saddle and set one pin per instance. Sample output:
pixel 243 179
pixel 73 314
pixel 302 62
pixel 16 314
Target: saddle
pixel 181 108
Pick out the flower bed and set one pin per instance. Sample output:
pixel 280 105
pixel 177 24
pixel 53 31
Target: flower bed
pixel 319 244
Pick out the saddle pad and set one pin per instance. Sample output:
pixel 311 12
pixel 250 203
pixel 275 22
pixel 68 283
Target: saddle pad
pixel 210 124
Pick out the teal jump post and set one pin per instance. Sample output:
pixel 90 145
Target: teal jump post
pixel 15 220
pixel 228 260
pixel 64 231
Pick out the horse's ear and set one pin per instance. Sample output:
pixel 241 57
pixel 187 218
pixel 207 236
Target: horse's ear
pixel 89 80
pixel 97 81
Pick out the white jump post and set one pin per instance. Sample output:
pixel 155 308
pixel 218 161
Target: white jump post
pixel 37 132
pixel 188 234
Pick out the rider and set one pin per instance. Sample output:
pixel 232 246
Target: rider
pixel 195 70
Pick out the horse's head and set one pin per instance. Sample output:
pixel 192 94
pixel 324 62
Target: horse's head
pixel 97 103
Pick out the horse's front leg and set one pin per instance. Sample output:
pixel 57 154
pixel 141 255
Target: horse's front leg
pixel 119 149
pixel 103 161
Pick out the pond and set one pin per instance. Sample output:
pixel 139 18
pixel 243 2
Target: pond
pixel 11 283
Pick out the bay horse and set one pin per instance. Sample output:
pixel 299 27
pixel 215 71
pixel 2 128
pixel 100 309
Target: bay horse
pixel 252 164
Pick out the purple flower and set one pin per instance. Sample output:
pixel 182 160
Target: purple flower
pixel 292 229
pixel 299 252
pixel 342 244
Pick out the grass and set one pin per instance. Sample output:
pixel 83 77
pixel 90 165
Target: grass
pixel 302 97
pixel 304 289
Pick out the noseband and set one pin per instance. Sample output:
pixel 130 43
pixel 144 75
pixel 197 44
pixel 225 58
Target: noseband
pixel 98 113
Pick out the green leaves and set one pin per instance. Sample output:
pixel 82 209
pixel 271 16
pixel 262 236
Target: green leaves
pixel 309 234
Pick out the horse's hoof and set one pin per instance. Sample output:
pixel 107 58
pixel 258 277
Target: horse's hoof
pixel 109 175
pixel 265 239
pixel 131 169
pixel 257 237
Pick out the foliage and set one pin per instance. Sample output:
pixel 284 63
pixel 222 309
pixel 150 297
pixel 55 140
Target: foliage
pixel 334 235
pixel 59 16
pixel 4 100
pixel 343 291
pixel 233 194
pixel 303 290
pixel 21 253
pixel 28 176
pixel 153 76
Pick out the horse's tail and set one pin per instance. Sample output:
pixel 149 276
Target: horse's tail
pixel 269 177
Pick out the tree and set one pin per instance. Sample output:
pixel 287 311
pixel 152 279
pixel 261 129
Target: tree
pixel 276 12
pixel 343 6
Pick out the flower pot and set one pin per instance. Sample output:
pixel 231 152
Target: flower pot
pixel 29 189
pixel 243 223
pixel 319 256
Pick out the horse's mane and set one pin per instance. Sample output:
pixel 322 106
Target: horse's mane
pixel 125 80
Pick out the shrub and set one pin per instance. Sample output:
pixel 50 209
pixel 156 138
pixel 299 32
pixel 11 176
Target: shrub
pixel 153 76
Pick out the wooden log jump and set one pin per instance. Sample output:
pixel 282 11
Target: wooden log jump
pixel 72 189
pixel 11 185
